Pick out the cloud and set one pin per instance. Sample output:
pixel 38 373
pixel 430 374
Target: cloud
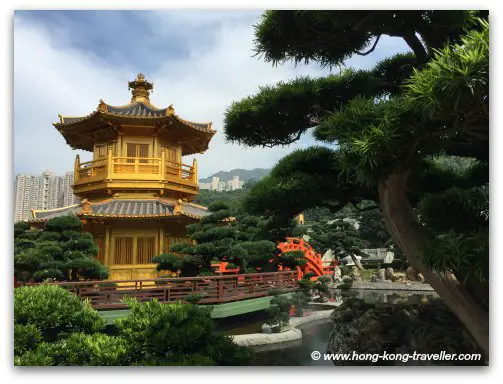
pixel 56 73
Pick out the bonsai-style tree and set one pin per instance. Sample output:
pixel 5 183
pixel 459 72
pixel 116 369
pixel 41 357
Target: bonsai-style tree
pixel 278 313
pixel 245 242
pixel 214 237
pixel 341 237
pixel 61 251
pixel 321 287
pixel 222 238
pixel 391 124
pixel 292 259
pixel 372 225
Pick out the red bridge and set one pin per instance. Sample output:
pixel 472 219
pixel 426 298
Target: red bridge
pixel 314 263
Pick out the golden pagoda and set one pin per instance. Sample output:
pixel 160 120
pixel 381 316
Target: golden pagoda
pixel 136 193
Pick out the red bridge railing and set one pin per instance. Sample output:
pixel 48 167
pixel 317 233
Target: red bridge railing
pixel 216 289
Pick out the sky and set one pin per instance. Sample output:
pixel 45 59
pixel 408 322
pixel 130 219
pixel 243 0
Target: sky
pixel 199 61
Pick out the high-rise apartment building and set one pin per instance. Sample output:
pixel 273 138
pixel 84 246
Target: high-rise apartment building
pixel 46 191
pixel 67 191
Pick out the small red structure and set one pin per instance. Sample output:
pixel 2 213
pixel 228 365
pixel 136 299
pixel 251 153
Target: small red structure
pixel 314 263
pixel 221 268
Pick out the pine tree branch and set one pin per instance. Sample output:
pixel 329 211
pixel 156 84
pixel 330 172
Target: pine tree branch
pixel 371 49
pixel 417 47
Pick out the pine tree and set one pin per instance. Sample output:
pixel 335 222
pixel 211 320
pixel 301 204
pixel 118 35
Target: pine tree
pixel 390 123
pixel 62 251
pixel 219 237
pixel 341 237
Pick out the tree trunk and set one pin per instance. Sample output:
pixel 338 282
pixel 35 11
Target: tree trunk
pixel 357 262
pixel 410 237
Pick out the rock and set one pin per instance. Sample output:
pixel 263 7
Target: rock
pixel 356 274
pixel 420 277
pixel 374 278
pixel 321 299
pixel 266 328
pixel 382 274
pixel 347 282
pixel 400 328
pixel 254 339
pixel 389 273
pixel 337 274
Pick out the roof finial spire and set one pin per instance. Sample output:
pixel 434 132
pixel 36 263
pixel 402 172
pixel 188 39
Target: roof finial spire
pixel 141 88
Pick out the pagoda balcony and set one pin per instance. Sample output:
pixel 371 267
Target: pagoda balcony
pixel 115 172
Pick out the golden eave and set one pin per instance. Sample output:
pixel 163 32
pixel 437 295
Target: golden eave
pixel 74 121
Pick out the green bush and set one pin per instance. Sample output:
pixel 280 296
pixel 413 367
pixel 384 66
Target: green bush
pixel 35 358
pixel 53 310
pixel 81 349
pixel 156 331
pixel 20 228
pixel 194 298
pixel 321 286
pixel 107 285
pixel 275 292
pixel 26 337
pixel 54 327
pixel 279 311
pixel 368 272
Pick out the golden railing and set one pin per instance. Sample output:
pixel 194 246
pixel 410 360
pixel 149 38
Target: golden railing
pixel 125 168
pixel 92 168
pixel 182 171
pixel 136 165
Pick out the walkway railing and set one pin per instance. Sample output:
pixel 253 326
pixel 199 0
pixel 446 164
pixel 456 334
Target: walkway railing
pixel 216 289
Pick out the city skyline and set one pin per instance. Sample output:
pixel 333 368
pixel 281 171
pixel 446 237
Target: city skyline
pixel 49 191
pixel 220 186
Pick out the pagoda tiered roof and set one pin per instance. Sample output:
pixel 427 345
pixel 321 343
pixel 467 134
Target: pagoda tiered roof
pixel 125 208
pixel 81 132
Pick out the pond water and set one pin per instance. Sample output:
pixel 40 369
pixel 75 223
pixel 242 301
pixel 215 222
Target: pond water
pixel 314 338
pixel 314 335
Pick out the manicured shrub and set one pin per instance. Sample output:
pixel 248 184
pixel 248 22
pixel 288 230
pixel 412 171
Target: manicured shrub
pixel 62 251
pixel 54 327
pixel 26 337
pixel 54 310
pixel 194 298
pixel 161 334
pixel 97 349
pixel 279 311
pixel 35 358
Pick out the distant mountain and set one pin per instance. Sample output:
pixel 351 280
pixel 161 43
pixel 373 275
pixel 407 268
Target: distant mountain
pixel 244 174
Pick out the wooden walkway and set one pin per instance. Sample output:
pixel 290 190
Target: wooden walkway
pixel 216 289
